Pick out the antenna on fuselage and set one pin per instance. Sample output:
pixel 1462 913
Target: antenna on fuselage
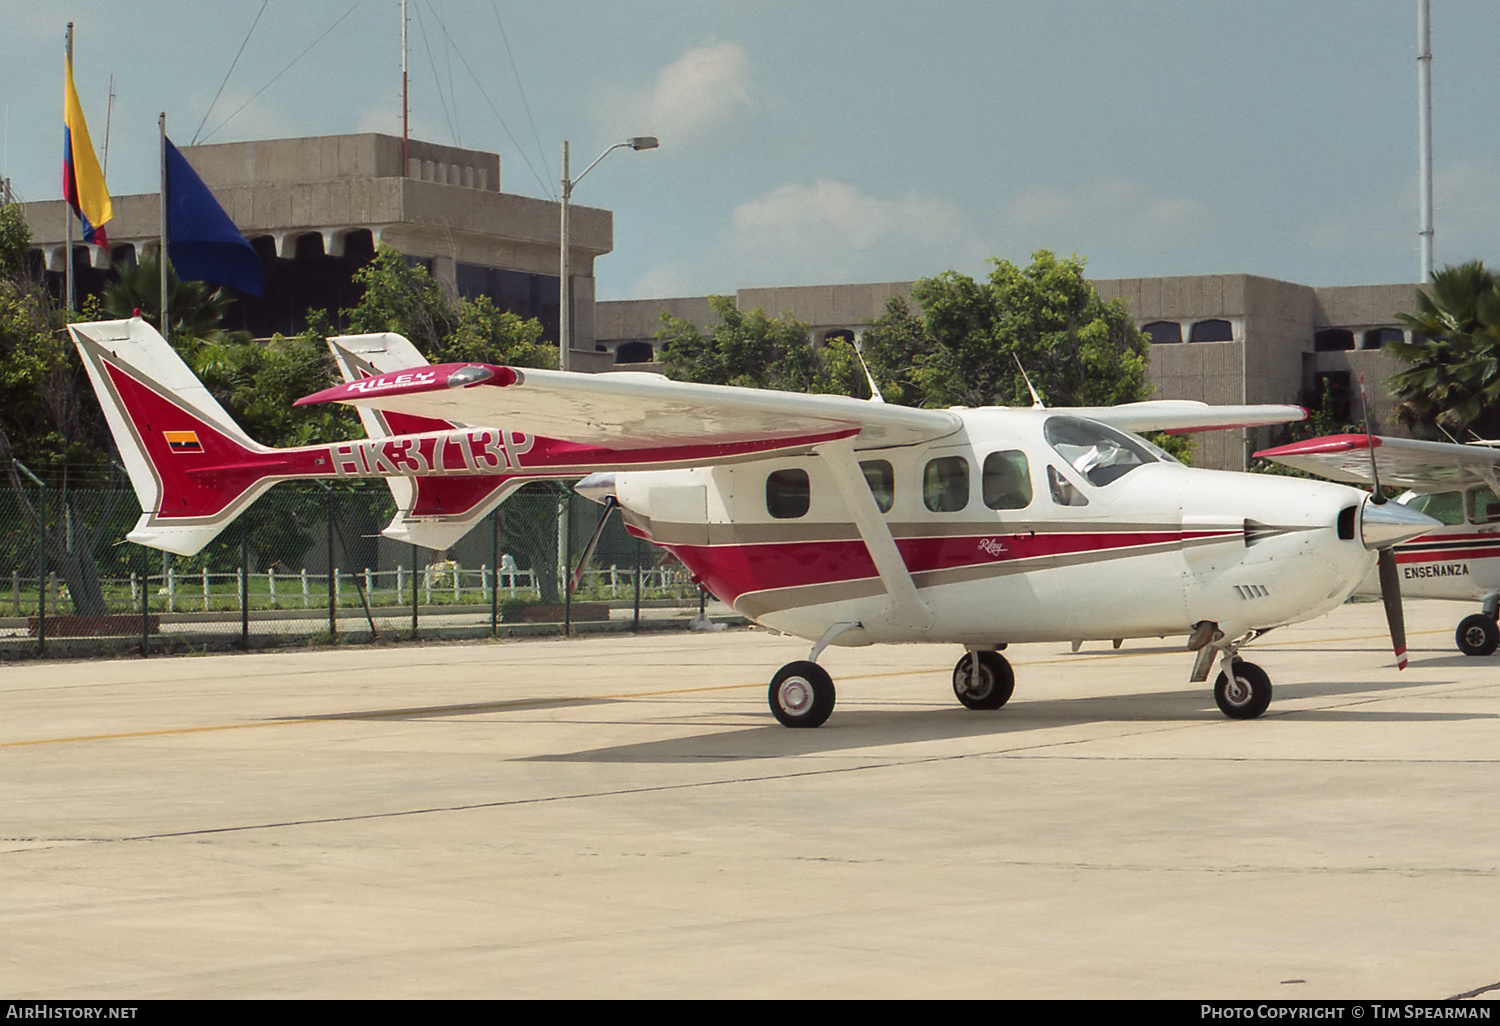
pixel 1036 400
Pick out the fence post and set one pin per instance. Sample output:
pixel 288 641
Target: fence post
pixel 413 589
pixel 15 592
pixel 245 592
pixel 271 583
pixel 205 588
pixel 333 623
pixel 495 562
pixel 637 575
pixel 145 601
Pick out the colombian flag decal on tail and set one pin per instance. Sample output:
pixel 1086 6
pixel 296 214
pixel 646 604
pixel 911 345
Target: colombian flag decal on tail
pixel 183 441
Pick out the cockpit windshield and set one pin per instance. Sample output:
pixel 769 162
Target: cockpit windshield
pixel 1101 454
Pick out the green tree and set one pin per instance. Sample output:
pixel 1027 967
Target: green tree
pixel 964 344
pixel 404 298
pixel 968 345
pixel 1453 381
pixel 197 309
pixel 46 425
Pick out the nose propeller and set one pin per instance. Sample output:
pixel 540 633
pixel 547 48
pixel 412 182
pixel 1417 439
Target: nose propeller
pixel 1383 526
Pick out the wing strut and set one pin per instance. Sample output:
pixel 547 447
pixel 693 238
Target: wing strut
pixel 909 609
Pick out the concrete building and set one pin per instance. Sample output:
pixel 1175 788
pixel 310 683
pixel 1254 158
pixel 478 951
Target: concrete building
pixel 316 209
pixel 1220 338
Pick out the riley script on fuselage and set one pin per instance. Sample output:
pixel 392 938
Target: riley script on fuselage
pixel 839 520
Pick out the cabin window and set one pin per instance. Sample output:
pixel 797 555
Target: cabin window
pixel 882 481
pixel 1484 508
pixel 945 484
pixel 788 494
pixel 1063 492
pixel 1006 482
pixel 1446 507
pixel 1099 453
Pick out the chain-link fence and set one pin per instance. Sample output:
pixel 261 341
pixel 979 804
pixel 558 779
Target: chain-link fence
pixel 310 564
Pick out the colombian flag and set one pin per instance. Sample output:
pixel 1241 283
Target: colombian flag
pixel 83 182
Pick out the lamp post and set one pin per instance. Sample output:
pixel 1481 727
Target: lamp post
pixel 564 293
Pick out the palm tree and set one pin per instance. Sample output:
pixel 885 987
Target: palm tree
pixel 1453 382
pixel 197 311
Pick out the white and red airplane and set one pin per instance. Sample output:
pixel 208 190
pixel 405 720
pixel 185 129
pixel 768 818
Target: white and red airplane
pixel 839 520
pixel 1459 486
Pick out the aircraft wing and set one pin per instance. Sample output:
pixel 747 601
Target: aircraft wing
pixel 624 410
pixel 1407 462
pixel 1181 416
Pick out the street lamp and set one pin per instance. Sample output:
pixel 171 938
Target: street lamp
pixel 564 293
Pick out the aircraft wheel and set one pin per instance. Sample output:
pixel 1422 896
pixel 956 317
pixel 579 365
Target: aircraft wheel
pixel 802 694
pixel 1477 635
pixel 1247 696
pixel 995 682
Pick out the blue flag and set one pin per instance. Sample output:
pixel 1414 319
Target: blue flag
pixel 202 242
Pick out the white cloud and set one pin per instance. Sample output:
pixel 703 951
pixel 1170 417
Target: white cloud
pixel 824 233
pixel 1108 212
pixel 836 213
pixel 693 94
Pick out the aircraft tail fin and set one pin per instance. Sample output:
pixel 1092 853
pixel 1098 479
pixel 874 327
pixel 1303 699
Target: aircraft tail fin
pixel 432 511
pixel 193 468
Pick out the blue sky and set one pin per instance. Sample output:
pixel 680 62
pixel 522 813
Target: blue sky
pixel 822 142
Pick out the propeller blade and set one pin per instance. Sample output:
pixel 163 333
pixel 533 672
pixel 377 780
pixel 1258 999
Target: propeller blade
pixel 610 503
pixel 1390 594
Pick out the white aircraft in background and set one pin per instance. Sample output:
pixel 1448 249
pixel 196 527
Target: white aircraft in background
pixel 1459 486
pixel 839 520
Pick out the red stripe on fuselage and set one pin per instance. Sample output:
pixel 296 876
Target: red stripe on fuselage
pixel 730 571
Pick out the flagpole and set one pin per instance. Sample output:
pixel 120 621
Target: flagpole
pixel 161 252
pixel 67 213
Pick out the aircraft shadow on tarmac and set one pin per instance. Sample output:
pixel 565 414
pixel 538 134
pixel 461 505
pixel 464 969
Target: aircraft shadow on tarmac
pixel 853 728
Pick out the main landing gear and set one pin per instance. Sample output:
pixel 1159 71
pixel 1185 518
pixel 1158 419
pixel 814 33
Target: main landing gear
pixel 983 679
pixel 1478 635
pixel 802 693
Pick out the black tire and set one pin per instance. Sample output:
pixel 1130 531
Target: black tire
pixel 995 684
pixel 1248 697
pixel 801 694
pixel 1477 635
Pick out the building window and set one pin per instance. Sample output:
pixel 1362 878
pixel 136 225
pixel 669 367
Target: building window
pixel 788 495
pixel 1379 338
pixel 1217 330
pixel 634 352
pixel 1162 332
pixel 1333 340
